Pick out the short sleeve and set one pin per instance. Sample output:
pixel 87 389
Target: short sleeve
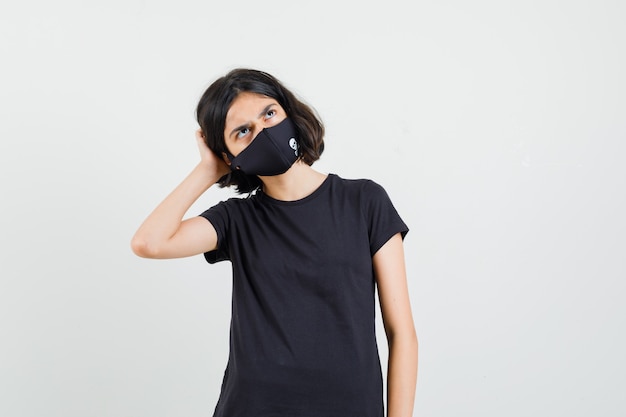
pixel 383 220
pixel 219 218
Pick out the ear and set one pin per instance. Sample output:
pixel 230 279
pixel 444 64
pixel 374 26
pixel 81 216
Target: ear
pixel 225 158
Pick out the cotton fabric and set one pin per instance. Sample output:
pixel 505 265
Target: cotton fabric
pixel 302 338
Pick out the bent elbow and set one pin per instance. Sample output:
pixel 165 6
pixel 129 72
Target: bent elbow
pixel 142 248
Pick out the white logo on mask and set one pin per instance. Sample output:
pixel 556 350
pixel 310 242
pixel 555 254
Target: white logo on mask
pixel 294 145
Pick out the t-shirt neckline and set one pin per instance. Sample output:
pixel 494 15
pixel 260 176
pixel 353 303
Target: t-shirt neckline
pixel 325 184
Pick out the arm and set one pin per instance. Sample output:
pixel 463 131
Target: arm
pixel 164 234
pixel 395 306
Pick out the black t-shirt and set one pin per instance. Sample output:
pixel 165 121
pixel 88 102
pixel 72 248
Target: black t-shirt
pixel 302 339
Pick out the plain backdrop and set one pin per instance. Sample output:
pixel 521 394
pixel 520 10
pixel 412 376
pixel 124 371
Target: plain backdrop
pixel 498 129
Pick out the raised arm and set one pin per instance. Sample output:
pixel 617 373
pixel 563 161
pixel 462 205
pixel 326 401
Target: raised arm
pixel 164 233
pixel 393 292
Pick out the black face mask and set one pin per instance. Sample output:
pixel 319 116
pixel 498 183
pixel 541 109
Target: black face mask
pixel 272 152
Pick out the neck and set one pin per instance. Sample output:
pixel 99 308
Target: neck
pixel 298 182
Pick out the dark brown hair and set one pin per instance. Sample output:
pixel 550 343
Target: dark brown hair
pixel 217 99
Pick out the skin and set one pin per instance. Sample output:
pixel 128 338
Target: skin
pixel 164 234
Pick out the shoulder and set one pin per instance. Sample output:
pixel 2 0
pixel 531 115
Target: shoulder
pixel 231 206
pixel 240 201
pixel 362 187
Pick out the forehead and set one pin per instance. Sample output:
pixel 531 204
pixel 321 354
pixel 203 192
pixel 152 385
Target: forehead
pixel 246 106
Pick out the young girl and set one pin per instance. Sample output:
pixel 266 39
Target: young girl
pixel 307 251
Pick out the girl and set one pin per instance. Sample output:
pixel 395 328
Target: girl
pixel 307 250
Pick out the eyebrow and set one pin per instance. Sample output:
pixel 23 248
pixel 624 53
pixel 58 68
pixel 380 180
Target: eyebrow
pixel 238 128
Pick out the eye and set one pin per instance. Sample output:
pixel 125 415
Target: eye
pixel 270 113
pixel 243 132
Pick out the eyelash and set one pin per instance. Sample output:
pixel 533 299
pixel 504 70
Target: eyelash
pixel 270 113
pixel 242 133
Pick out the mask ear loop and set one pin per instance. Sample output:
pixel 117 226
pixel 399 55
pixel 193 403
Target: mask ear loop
pixel 230 157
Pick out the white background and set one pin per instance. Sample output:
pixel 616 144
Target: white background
pixel 497 128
